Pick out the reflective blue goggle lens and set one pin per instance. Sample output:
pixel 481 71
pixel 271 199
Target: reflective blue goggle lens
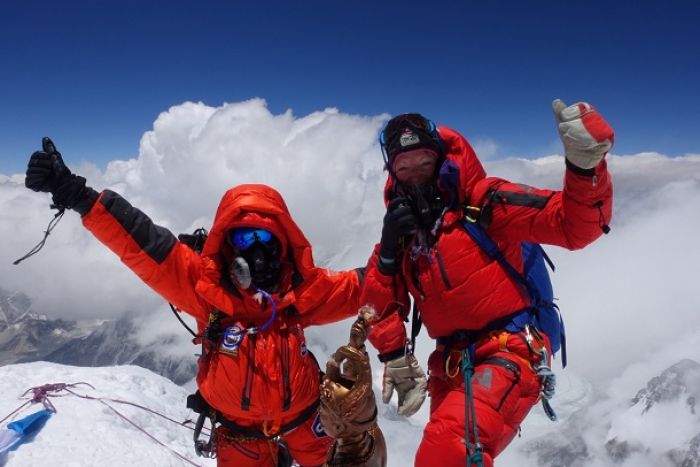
pixel 245 237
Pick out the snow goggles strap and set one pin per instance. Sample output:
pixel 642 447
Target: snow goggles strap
pixel 413 121
pixel 244 237
pixel 406 132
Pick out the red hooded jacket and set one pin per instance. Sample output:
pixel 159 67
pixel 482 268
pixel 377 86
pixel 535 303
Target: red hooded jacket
pixel 271 377
pixel 457 287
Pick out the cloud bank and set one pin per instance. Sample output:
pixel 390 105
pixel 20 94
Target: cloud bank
pixel 624 298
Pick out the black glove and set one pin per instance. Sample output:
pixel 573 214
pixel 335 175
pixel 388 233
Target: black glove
pixel 399 220
pixel 46 172
pixel 46 169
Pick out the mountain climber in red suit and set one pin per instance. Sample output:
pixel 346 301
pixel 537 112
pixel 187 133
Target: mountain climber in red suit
pixel 465 299
pixel 253 290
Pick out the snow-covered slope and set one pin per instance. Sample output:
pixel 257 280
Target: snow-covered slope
pixel 88 433
pixel 659 426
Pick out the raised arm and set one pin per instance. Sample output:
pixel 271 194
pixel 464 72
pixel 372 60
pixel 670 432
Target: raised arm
pixel 571 218
pixel 169 267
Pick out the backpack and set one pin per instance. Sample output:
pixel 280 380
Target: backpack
pixel 544 313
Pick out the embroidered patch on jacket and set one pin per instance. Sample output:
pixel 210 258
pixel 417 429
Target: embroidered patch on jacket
pixel 233 335
pixel 317 428
pixel 484 377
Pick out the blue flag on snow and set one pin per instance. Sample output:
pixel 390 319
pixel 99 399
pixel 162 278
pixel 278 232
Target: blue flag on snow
pixel 22 430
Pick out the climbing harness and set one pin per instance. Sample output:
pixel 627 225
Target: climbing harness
pixel 228 340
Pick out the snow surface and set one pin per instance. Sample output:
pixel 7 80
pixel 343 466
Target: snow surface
pixel 88 433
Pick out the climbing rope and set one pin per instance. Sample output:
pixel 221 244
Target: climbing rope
pixel 43 394
pixel 475 449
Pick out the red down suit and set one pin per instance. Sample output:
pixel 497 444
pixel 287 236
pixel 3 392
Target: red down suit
pixel 270 380
pixel 458 288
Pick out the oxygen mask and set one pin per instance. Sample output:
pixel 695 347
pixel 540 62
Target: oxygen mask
pixel 257 260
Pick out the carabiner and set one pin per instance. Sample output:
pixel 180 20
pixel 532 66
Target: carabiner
pixel 530 340
pixel 204 448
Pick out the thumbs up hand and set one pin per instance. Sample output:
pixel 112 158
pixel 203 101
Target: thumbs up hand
pixel 46 169
pixel 587 137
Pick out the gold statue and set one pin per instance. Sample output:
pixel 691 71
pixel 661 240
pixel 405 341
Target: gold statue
pixel 348 409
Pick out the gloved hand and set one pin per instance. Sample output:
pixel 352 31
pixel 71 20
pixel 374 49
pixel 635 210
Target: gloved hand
pixel 399 220
pixel 46 172
pixel 46 169
pixel 407 377
pixel 587 137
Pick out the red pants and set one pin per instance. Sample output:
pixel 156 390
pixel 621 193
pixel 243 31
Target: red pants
pixel 307 443
pixel 504 387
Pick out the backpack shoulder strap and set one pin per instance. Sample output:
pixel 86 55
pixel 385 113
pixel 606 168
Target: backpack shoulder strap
pixel 481 238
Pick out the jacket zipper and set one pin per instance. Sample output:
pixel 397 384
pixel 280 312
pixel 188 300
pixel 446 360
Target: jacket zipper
pixel 249 374
pixel 441 266
pixel 285 370
pixel 510 366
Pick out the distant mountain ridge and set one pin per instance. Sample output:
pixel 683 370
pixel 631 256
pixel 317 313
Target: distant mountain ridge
pixel 26 336
pixel 670 398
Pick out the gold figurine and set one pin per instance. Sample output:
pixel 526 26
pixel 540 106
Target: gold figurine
pixel 348 409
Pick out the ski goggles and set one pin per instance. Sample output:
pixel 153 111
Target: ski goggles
pixel 244 237
pixel 396 125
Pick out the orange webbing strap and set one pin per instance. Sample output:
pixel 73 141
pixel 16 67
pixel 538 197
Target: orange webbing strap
pixel 503 341
pixel 503 346
pixel 274 430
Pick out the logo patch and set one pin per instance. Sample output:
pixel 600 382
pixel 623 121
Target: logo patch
pixel 408 139
pixel 317 428
pixel 303 349
pixel 233 335
pixel 484 378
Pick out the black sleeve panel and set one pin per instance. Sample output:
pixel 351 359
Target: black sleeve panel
pixel 360 274
pixel 532 200
pixel 156 241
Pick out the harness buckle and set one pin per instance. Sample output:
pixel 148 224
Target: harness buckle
pixel 468 216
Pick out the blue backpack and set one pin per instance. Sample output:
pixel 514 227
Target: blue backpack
pixel 543 313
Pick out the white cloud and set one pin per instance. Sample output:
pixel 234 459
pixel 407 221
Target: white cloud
pixel 624 298
pixel 326 165
pixel 487 149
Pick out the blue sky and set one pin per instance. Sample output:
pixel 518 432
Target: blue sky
pixel 94 75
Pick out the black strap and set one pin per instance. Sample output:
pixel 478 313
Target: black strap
pixel 284 348
pixel 249 373
pixel 257 434
pixel 199 405
pixel 416 325
pixel 56 219
pixel 470 336
pixel 385 357
pixel 179 318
